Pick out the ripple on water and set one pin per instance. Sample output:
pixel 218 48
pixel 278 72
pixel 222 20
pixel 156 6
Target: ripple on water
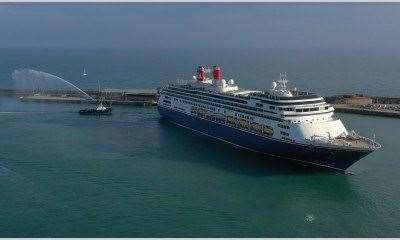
pixel 309 218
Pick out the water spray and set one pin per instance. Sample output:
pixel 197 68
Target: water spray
pixel 36 76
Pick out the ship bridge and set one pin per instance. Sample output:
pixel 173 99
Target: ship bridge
pixel 245 92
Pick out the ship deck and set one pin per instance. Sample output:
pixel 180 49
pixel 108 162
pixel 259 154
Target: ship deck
pixel 359 143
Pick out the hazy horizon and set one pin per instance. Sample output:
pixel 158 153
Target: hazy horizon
pixel 200 25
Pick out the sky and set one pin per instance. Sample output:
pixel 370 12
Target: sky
pixel 200 25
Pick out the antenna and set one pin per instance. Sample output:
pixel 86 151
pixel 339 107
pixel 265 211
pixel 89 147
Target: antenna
pixel 100 95
pixel 98 85
pixel 282 80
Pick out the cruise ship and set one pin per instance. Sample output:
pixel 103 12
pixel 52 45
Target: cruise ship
pixel 282 122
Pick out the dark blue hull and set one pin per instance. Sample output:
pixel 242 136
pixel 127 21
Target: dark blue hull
pixel 335 158
pixel 93 111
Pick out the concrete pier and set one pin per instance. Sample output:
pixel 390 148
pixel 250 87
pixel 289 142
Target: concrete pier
pixel 134 97
pixel 366 105
pixel 348 103
pixel 365 111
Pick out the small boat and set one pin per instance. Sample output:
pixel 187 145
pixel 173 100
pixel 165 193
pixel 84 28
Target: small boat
pixel 84 72
pixel 100 110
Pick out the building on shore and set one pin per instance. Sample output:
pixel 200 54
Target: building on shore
pixel 357 100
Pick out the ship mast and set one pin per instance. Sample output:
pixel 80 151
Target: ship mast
pixel 279 87
pixel 282 81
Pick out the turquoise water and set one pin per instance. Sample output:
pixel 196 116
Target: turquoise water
pixel 134 175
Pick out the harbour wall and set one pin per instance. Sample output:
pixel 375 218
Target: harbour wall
pixel 134 97
pixel 347 103
pixel 364 111
pixel 366 105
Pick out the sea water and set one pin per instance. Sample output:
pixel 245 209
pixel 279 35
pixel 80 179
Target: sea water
pixel 134 174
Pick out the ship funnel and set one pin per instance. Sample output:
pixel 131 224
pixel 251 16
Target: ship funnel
pixel 201 73
pixel 217 75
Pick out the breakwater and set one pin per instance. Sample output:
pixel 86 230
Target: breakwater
pixel 366 111
pixel 348 103
pixel 134 97
pixel 366 105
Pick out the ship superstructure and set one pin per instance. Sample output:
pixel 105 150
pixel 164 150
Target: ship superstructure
pixel 283 122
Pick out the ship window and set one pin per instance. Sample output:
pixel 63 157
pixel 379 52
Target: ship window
pixel 326 107
pixel 272 107
pixel 287 139
pixel 283 126
pixel 306 109
pixel 259 105
pixel 284 133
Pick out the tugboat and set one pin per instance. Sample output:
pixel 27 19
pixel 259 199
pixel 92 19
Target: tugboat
pixel 100 110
